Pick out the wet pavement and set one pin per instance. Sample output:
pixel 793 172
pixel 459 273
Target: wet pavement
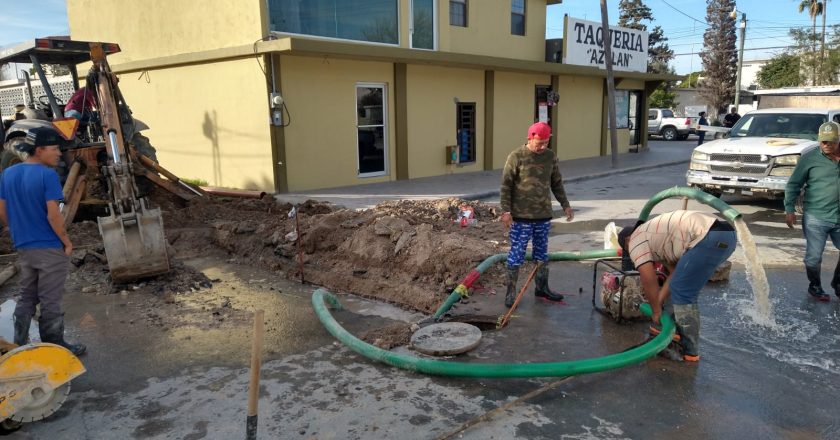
pixel 190 381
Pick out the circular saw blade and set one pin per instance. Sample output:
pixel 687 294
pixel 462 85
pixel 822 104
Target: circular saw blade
pixel 44 403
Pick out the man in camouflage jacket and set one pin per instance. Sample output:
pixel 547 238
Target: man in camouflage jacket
pixel 530 176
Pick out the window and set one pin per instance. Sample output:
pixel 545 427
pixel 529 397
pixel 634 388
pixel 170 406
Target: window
pixel 370 126
pixel 465 125
pixel 423 24
pixel 363 20
pixel 458 13
pixel 517 17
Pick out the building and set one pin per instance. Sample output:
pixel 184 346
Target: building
pixel 287 95
pixel 798 97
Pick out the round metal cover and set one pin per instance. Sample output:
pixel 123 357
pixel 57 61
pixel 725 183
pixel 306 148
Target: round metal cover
pixel 446 338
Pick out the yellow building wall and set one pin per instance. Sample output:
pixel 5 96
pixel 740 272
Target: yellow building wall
pixel 431 95
pixel 157 28
pixel 488 30
pixel 580 123
pixel 321 142
pixel 207 121
pixel 513 113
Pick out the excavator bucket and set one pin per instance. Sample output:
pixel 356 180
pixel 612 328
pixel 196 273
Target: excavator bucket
pixel 135 245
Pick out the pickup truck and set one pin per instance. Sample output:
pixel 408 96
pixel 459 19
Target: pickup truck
pixel 662 121
pixel 759 153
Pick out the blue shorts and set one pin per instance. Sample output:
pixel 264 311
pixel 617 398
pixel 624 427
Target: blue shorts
pixel 523 232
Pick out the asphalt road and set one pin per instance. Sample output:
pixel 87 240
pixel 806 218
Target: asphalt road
pixel 754 381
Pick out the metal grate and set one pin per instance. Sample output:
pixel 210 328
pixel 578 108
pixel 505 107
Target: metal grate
pixel 11 96
pixel 743 158
pixel 739 170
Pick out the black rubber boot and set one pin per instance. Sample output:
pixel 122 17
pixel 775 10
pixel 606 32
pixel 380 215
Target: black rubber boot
pixel 22 329
pixel 815 285
pixel 52 331
pixel 541 290
pixel 835 282
pixel 687 318
pixel 513 276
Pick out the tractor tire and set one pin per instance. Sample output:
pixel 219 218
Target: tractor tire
pixel 143 146
pixel 9 158
pixel 669 133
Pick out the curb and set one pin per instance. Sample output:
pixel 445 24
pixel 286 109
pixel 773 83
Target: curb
pixel 491 193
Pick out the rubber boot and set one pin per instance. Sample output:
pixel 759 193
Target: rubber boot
pixel 835 282
pixel 687 318
pixel 541 290
pixel 22 328
pixel 52 331
pixel 815 285
pixel 513 276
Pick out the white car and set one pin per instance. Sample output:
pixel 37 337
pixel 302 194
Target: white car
pixel 759 153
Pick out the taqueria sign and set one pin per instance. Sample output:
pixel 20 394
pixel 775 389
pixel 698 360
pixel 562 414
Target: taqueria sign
pixel 583 46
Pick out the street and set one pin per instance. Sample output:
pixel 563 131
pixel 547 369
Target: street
pixel 189 381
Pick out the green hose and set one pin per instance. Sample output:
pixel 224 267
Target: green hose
pixel 462 369
pixel 462 291
pixel 727 211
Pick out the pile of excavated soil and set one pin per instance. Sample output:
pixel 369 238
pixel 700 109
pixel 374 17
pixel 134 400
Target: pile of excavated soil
pixel 409 253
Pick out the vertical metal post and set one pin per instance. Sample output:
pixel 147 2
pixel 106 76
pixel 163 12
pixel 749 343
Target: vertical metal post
pixel 607 42
pixel 57 114
pixel 740 61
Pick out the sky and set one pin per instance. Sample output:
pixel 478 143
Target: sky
pixel 768 22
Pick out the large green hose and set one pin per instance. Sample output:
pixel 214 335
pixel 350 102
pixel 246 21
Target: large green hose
pixel 727 211
pixel 462 290
pixel 568 368
pixel 462 369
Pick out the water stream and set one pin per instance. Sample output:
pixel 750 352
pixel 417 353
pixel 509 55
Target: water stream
pixel 755 274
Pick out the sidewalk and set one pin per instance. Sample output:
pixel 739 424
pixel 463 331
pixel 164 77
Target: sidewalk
pixel 484 184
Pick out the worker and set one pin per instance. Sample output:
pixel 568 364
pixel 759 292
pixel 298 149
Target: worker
pixel 530 176
pixel 80 105
pixel 690 244
pixel 29 204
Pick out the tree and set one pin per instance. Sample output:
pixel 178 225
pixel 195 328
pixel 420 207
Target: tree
pixel 781 71
pixel 691 80
pixel 814 8
pixel 719 56
pixel 632 14
pixel 663 97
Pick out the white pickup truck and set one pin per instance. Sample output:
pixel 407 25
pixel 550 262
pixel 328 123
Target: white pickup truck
pixel 662 121
pixel 759 153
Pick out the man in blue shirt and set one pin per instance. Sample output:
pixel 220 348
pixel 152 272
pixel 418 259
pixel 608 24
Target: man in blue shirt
pixel 29 204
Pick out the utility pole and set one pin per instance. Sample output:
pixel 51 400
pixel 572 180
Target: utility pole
pixel 607 42
pixel 740 56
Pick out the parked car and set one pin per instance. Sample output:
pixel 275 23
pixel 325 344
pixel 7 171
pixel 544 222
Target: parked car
pixel 662 122
pixel 759 153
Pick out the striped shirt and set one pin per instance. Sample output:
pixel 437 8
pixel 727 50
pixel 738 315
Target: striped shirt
pixel 667 237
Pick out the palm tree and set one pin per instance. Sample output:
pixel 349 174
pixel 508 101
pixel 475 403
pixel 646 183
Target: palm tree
pixel 814 8
pixel 822 48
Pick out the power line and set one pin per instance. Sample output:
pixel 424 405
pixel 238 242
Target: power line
pixel 745 49
pixel 683 13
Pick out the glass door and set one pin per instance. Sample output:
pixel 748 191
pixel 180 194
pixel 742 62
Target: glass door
pixel 372 145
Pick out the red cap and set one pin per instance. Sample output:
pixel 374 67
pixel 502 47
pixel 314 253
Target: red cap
pixel 539 129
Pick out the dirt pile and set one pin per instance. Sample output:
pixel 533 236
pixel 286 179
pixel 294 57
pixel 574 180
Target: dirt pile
pixel 409 253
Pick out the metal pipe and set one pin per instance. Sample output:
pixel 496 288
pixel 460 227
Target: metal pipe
pixel 115 153
pixel 57 113
pixel 225 192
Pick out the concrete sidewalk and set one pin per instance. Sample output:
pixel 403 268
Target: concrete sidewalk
pixel 484 184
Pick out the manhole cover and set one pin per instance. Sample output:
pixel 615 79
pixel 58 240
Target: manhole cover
pixel 446 338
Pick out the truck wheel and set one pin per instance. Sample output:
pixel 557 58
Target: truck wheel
pixel 799 205
pixel 8 158
pixel 669 133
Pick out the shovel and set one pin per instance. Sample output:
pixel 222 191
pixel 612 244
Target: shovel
pixel 503 320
